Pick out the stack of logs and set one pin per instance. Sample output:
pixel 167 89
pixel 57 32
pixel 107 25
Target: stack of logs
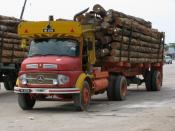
pixel 10 50
pixel 121 37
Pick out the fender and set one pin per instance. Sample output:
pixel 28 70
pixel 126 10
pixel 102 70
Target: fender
pixel 17 82
pixel 81 79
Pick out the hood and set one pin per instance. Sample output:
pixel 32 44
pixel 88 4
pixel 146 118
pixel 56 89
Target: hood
pixel 64 63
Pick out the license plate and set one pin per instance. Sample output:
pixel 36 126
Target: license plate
pixel 25 90
pixel 40 90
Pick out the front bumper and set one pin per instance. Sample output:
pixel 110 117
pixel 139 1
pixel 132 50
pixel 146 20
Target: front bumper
pixel 46 90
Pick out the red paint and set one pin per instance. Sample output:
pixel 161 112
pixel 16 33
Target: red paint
pixel 99 74
pixel 100 84
pixel 130 70
pixel 69 66
pixel 65 63
pixel 72 30
pixel 26 31
pixel 73 75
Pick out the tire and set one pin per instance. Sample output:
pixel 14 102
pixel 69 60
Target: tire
pixel 120 88
pixel 26 102
pixel 82 100
pixel 156 81
pixel 9 82
pixel 147 78
pixel 110 89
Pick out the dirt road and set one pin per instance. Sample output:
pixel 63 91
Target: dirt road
pixel 141 111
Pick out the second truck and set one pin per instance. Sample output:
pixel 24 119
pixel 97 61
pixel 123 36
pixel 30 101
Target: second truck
pixel 98 51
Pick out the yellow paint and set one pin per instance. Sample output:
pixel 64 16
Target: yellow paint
pixel 17 82
pixel 57 28
pixel 88 33
pixel 80 81
pixel 23 43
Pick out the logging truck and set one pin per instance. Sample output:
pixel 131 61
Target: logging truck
pixel 11 54
pixel 66 61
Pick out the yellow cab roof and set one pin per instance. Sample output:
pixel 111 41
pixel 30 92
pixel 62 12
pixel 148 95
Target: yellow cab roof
pixel 42 29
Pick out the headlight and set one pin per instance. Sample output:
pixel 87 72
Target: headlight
pixel 23 79
pixel 50 66
pixel 62 79
pixel 32 66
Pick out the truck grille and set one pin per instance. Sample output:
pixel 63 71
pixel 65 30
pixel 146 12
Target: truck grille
pixel 41 78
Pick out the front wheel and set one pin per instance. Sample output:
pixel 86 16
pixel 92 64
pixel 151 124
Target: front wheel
pixel 82 100
pixel 25 101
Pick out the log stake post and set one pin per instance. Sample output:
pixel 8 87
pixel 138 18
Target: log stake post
pixel 163 44
pixel 13 52
pixel 158 51
pixel 121 43
pixel 130 38
pixel 2 42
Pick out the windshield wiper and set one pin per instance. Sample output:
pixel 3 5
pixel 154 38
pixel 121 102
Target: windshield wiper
pixel 43 55
pixel 34 55
pixel 51 55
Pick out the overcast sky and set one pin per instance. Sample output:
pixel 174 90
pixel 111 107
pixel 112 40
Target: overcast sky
pixel 160 12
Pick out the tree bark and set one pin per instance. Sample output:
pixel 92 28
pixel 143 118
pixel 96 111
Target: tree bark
pixel 117 45
pixel 13 54
pixel 113 59
pixel 8 29
pixel 8 35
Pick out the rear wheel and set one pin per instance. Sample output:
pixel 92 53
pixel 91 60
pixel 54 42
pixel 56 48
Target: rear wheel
pixel 156 81
pixel 153 80
pixel 110 89
pixel 147 78
pixel 9 82
pixel 25 101
pixel 82 100
pixel 120 88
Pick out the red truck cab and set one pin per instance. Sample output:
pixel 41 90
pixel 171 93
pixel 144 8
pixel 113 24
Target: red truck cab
pixel 58 64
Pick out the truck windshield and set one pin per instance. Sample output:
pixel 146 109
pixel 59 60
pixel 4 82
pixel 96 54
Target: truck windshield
pixel 59 47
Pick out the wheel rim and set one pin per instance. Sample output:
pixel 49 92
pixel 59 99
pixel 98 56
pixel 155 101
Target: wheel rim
pixel 123 89
pixel 158 80
pixel 85 96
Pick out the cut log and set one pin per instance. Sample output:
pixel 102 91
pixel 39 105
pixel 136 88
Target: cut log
pixel 9 40
pixel 98 9
pixel 117 45
pixel 102 52
pixel 136 41
pixel 8 18
pixel 113 59
pixel 122 15
pixel 135 26
pixel 8 35
pixel 9 22
pixel 9 60
pixel 10 50
pixel 11 46
pixel 131 54
pixel 8 29
pixel 136 35
pixel 13 54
